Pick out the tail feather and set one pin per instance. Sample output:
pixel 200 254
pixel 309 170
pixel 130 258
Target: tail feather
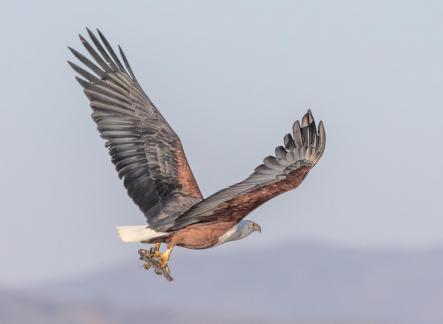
pixel 137 233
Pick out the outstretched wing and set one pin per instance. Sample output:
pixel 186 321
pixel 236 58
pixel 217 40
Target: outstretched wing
pixel 145 150
pixel 278 174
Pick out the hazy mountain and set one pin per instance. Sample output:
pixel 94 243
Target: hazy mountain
pixel 20 309
pixel 298 281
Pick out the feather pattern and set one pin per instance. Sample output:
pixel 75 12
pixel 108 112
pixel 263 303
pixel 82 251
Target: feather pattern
pixel 145 150
pixel 276 175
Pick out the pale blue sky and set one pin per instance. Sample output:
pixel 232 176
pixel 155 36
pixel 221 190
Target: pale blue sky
pixel 231 77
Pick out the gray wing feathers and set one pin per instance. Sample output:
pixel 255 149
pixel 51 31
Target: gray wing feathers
pixel 303 147
pixel 144 149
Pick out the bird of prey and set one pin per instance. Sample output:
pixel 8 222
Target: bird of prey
pixel 149 157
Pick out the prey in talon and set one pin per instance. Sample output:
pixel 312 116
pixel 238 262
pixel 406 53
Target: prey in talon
pixel 149 157
pixel 152 261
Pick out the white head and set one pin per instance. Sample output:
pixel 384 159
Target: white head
pixel 239 231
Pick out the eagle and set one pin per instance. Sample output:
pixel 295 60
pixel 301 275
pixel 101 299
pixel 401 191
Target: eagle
pixel 148 155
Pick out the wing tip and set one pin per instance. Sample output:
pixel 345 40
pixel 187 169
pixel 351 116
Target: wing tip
pixel 308 138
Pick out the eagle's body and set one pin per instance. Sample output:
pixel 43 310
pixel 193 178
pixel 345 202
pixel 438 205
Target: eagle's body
pixel 149 156
pixel 196 236
pixel 200 236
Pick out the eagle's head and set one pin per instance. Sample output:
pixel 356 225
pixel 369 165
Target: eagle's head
pixel 239 231
pixel 245 228
pixel 252 226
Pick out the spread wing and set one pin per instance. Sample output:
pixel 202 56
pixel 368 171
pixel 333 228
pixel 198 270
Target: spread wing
pixel 280 173
pixel 145 150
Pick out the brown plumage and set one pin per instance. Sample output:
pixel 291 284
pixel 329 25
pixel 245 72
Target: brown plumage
pixel 149 156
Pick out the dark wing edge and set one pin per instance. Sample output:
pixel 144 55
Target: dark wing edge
pixel 145 150
pixel 278 174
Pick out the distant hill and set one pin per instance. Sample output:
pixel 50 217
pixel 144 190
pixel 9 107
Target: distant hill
pixel 314 282
pixel 21 309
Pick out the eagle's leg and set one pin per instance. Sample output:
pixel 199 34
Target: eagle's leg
pixel 164 257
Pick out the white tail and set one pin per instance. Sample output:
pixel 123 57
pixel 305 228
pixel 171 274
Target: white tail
pixel 137 233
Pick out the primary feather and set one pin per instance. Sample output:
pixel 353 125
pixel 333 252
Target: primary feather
pixel 145 150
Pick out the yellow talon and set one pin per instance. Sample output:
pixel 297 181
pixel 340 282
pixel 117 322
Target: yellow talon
pixel 164 257
pixel 154 252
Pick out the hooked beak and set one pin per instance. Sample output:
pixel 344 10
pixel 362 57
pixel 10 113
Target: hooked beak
pixel 257 228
